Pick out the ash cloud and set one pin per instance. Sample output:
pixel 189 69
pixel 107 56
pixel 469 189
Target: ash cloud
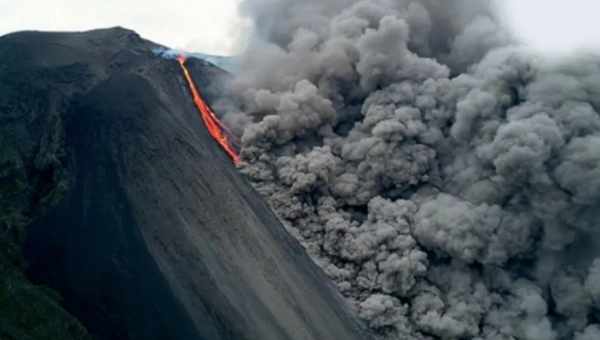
pixel 445 179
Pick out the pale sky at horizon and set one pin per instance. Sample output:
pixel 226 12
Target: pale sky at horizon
pixel 201 26
pixel 549 26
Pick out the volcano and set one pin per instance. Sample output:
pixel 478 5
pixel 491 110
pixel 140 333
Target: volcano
pixel 131 210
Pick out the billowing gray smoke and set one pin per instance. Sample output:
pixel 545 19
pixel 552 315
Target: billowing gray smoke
pixel 447 180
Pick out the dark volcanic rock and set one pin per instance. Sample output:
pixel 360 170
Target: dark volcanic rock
pixel 155 234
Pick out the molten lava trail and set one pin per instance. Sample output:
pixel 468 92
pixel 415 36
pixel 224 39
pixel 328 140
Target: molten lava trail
pixel 212 123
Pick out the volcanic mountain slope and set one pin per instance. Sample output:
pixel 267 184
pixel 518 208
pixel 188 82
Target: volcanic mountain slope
pixel 138 219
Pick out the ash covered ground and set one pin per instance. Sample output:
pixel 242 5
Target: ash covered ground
pixel 130 212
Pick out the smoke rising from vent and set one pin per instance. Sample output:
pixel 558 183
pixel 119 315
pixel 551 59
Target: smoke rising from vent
pixel 446 179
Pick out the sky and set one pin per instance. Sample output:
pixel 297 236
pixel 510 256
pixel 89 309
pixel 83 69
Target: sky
pixel 198 25
pixel 549 26
pixel 554 26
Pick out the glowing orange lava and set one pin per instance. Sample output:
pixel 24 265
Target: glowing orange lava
pixel 214 126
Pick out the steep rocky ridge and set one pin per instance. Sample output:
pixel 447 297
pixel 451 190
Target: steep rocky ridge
pixel 131 211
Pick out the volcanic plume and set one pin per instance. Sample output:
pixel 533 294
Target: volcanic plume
pixel 444 177
pixel 216 129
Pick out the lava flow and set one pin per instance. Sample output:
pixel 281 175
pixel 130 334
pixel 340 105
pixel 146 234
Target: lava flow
pixel 214 126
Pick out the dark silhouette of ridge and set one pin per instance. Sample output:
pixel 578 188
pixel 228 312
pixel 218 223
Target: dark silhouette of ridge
pixel 153 233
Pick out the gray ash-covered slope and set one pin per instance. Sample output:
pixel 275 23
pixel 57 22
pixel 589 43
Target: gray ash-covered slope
pixel 152 233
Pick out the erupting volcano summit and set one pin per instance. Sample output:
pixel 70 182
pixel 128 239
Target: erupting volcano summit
pixel 134 215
